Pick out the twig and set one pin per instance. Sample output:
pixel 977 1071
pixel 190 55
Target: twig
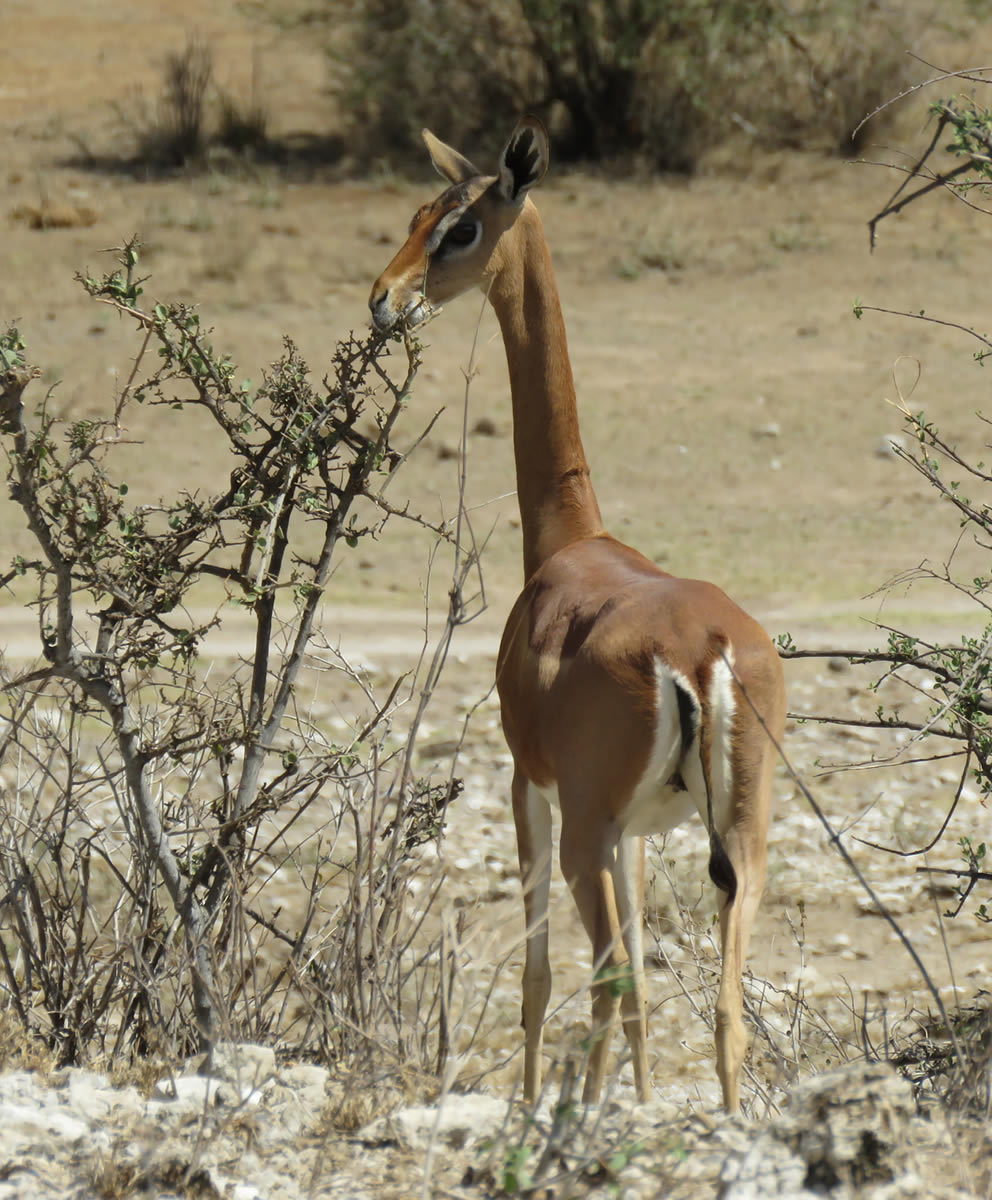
pixel 834 838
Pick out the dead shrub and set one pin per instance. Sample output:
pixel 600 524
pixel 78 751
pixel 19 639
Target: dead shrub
pixel 951 1060
pixel 171 131
pixel 243 121
pixel 190 118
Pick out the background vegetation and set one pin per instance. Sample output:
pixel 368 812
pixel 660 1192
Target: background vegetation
pixel 654 81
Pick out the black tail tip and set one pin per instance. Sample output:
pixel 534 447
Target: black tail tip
pixel 721 868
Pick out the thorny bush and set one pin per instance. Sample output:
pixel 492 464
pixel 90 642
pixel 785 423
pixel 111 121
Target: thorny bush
pixel 146 804
pixel 945 709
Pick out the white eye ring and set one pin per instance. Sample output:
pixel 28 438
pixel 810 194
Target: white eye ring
pixel 452 242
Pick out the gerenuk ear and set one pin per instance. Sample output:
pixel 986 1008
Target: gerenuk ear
pixel 524 160
pixel 448 163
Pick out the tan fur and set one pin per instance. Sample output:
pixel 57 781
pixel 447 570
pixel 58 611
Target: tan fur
pixel 578 666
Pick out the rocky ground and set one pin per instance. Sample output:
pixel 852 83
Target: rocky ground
pixel 257 1130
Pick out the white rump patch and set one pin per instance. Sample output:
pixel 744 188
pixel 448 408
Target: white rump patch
pixel 723 709
pixel 656 806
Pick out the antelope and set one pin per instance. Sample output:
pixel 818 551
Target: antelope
pixel 629 697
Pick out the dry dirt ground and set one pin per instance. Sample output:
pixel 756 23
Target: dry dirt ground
pixel 732 408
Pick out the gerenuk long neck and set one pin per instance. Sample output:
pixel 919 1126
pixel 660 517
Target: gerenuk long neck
pixel 556 497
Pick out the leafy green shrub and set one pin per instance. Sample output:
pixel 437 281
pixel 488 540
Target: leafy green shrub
pixel 833 63
pixel 446 64
pixel 658 80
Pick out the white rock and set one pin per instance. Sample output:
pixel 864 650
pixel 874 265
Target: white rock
pixel 297 1097
pixel 19 1083
pixel 308 1081
pixel 822 1131
pixel 242 1064
pixel 94 1095
pixel 28 1122
pixel 188 1090
pixel 457 1123
pixel 247 1191
pixel 890 446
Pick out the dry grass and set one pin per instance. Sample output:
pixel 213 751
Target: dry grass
pixel 54 214
pixel 19 1051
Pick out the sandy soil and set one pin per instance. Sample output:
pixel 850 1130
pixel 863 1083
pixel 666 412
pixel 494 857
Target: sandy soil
pixel 732 408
